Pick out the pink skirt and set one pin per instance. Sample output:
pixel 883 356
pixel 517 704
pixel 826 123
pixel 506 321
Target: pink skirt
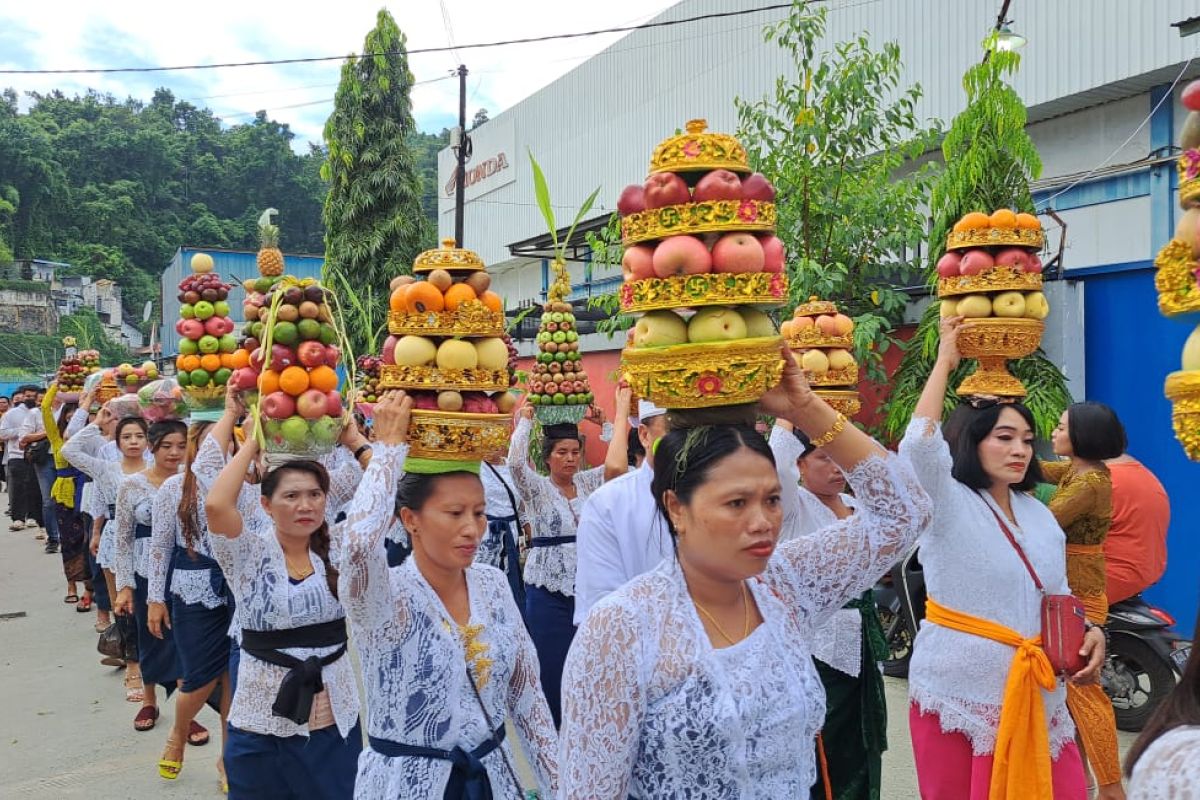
pixel 947 769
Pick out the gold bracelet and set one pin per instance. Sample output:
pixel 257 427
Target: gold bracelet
pixel 838 426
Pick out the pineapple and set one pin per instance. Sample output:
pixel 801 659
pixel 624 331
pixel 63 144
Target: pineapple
pixel 270 259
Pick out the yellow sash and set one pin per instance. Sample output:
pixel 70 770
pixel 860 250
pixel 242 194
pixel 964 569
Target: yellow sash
pixel 1021 765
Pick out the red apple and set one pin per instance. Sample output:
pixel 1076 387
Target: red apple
pixel 638 262
pixel 388 354
pixel 720 184
pixel 244 379
pixel 250 343
pixel 757 187
pixel 682 255
pixel 192 329
pixel 332 355
pixel 333 403
pixel 215 326
pixel 738 252
pixel 282 357
pixel 278 405
pixel 1012 257
pixel 774 254
pixel 311 354
pixel 976 261
pixel 632 200
pixel 179 326
pixel 1191 96
pixel 665 189
pixel 1033 263
pixel 311 404
pixel 949 264
pixel 256 359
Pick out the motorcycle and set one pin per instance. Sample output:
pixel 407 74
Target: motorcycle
pixel 1143 661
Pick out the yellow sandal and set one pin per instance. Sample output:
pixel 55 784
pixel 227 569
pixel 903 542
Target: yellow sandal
pixel 167 769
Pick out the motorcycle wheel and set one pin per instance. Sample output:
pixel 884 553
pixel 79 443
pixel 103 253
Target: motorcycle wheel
pixel 899 643
pixel 1136 678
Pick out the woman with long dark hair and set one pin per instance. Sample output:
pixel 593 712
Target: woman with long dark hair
pixel 447 660
pixel 157 656
pixel 988 718
pixel 293 728
pixel 694 679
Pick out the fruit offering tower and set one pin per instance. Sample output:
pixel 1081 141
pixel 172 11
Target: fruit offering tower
pixel 701 267
pixel 823 341
pixel 991 274
pixel 369 384
pixel 558 385
pixel 449 352
pixel 74 369
pixel 1177 279
pixel 128 378
pixel 207 347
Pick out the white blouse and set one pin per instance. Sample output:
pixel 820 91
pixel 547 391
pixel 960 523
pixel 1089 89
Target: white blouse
pixel 550 514
pixel 498 504
pixel 135 506
pixel 1169 769
pixel 166 533
pixel 971 567
pixel 414 662
pixel 650 708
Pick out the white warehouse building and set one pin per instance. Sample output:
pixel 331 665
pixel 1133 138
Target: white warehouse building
pixel 1096 76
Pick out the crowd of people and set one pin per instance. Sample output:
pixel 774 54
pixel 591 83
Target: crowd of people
pixel 692 618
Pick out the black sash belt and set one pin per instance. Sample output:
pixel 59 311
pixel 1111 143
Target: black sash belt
pixel 141 531
pixel 303 681
pixel 468 777
pixel 551 541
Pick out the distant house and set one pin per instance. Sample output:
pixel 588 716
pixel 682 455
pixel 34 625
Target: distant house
pixel 37 294
pixel 234 266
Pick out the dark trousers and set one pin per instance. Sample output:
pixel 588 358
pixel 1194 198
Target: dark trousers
pixel 45 474
pixel 24 498
pixel 99 585
pixel 549 615
pixel 321 766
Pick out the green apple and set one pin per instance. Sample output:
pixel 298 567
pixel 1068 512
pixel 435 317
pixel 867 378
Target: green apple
pixel 187 347
pixel 227 343
pixel 203 310
pixel 558 337
pixel 209 344
pixel 535 399
pixel 716 324
pixel 559 399
pixel 659 329
pixel 295 431
pixel 187 311
pixel 324 430
pixel 221 308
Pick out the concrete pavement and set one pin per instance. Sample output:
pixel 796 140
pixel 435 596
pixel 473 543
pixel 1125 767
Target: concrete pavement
pixel 67 732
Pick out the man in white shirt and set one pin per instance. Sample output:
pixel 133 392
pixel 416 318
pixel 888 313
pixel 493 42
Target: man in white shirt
pixel 24 500
pixel 621 534
pixel 33 430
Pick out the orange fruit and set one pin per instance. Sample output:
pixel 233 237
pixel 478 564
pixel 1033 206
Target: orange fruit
pixel 423 297
pixel 294 381
pixel 1028 222
pixel 458 294
pixel 323 378
pixel 396 302
pixel 973 221
pixel 1004 218
pixel 492 301
pixel 240 358
pixel 210 362
pixel 268 382
pixel 187 363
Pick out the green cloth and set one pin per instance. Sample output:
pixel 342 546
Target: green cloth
pixel 855 730
pixel 208 415
pixel 433 466
pixel 1045 492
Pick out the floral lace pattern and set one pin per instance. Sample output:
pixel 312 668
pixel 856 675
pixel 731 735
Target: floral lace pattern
pixel 650 707
pixel 971 567
pixel 166 533
pixel 135 506
pixel 549 513
pixel 100 459
pixel 1169 769
pixel 414 664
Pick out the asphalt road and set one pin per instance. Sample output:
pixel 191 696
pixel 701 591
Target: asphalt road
pixel 67 732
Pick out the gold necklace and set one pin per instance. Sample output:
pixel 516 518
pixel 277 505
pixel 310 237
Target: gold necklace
pixel 717 625
pixel 298 573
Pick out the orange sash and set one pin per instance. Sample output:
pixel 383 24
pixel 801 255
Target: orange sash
pixel 1021 765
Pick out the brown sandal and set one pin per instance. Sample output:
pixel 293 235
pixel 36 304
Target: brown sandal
pixel 146 718
pixel 197 734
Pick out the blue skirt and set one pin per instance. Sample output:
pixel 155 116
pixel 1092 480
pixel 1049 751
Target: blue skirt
pixel 158 658
pixel 549 617
pixel 321 766
pixel 201 633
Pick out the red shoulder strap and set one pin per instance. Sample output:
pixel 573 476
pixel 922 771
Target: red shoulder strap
pixel 1013 541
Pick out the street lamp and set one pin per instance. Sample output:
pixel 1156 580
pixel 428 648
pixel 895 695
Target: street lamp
pixel 1006 39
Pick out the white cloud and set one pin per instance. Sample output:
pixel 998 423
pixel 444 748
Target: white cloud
pixel 82 34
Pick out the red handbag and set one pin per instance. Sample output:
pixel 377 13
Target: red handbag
pixel 1064 621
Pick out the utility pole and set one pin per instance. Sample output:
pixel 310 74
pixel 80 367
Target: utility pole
pixel 462 153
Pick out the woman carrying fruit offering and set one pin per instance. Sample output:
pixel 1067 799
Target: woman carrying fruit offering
pixel 988 717
pixel 694 679
pixel 67 494
pixel 293 729
pixel 447 660
pixel 553 504
pixel 1086 435
pixel 157 657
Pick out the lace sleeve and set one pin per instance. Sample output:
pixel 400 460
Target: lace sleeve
pixel 924 447
pixel 209 461
pixel 604 704
pixel 1054 471
pixel 590 480
pixel 824 569
pixel 124 533
pixel 165 518
pixel 82 451
pixel 787 450
pixel 527 706
pixel 1169 769
pixel 344 478
pixel 364 587
pixel 523 476
pixel 77 422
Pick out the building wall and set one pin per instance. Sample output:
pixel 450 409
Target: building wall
pixel 27 312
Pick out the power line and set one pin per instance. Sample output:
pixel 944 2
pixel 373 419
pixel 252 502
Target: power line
pixel 417 51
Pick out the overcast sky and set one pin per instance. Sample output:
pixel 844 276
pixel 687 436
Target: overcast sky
pixel 65 34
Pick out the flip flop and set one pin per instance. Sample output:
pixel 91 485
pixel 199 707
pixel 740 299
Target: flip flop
pixel 71 599
pixel 146 718
pixel 84 605
pixel 197 734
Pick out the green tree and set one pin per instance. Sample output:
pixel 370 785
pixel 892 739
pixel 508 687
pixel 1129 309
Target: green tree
pixel 374 225
pixel 839 141
pixel 990 161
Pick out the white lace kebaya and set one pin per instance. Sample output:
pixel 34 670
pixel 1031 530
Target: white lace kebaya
pixel 971 567
pixel 100 459
pixel 1169 769
pixel 652 710
pixel 549 513
pixel 166 533
pixel 135 506
pixel 414 661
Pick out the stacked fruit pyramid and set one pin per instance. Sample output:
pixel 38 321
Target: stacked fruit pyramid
pixel 1177 280
pixel 823 339
pixel 369 384
pixel 74 370
pixel 447 349
pixel 207 347
pixel 558 385
pixel 991 274
pixel 701 266
pixel 128 378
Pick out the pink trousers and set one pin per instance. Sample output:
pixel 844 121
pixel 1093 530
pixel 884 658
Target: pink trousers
pixel 948 770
